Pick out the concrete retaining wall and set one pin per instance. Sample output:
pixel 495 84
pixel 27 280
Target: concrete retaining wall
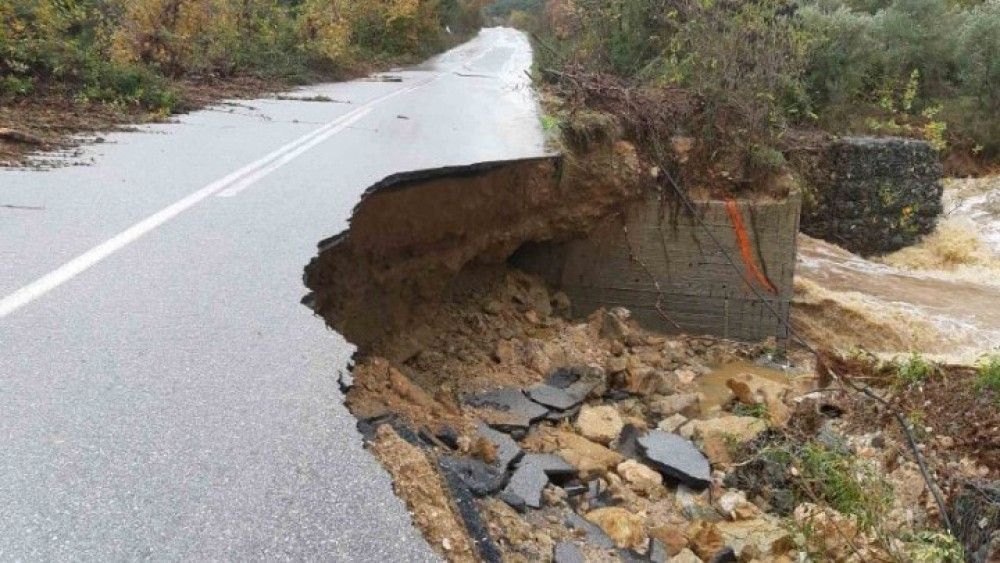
pixel 660 262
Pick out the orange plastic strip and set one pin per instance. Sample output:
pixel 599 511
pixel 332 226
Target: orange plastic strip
pixel 752 270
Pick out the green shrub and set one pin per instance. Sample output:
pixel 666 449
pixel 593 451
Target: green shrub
pixel 989 374
pixel 914 370
pixel 845 483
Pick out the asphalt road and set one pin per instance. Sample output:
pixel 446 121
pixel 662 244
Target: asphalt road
pixel 163 395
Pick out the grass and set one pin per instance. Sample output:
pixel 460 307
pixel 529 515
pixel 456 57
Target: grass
pixel 988 377
pixel 914 370
pixel 757 411
pixel 844 483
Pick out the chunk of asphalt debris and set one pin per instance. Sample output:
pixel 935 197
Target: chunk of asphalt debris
pixel 511 408
pixel 368 426
pixel 575 488
pixel 628 442
pixel 507 449
pixel 481 479
pixel 556 416
pixel 677 458
pixel 577 382
pixel 449 437
pixel 553 397
pixel 567 552
pixel 531 476
pixel 593 533
pixel 469 512
pixel 562 378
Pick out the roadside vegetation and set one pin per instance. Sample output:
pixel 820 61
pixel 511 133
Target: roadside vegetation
pixel 160 56
pixel 762 73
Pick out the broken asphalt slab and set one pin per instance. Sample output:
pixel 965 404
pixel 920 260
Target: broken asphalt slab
pixel 553 397
pixel 677 458
pixel 531 476
pixel 507 449
pixel 481 479
pixel 508 408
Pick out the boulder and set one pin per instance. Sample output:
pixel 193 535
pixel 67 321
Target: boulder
pixel 601 424
pixel 640 477
pixel 623 527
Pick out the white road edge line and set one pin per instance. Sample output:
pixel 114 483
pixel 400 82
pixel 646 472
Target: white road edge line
pixel 231 184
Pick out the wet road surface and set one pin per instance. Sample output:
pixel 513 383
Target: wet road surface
pixel 164 396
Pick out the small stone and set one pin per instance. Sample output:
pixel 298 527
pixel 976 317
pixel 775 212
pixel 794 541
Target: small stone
pixel 616 364
pixel 642 478
pixel 686 556
pixel 613 327
pixel 601 424
pixel 672 423
pixel 677 458
pixel 623 527
pixel 671 537
pixel 706 539
pixel 687 404
pixel 493 307
pixel 506 352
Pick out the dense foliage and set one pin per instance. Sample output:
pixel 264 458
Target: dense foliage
pixel 925 68
pixel 127 51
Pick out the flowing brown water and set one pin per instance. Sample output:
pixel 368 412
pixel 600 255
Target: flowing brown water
pixel 940 297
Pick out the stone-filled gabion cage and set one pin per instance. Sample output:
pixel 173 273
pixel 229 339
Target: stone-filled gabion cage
pixel 871 195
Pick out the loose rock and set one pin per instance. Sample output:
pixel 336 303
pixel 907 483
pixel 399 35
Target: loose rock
pixel 601 424
pixel 641 477
pixel 623 527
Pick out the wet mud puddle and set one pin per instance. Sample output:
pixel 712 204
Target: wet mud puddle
pixel 715 393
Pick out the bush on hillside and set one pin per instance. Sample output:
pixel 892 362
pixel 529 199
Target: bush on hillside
pixel 123 51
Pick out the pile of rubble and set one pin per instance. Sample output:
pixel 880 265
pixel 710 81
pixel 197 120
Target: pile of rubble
pixel 514 434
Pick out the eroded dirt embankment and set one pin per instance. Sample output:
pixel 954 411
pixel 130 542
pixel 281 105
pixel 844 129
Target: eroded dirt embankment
pixel 413 233
pixel 516 432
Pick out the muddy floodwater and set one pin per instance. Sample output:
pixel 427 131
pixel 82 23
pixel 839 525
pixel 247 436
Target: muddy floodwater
pixel 941 297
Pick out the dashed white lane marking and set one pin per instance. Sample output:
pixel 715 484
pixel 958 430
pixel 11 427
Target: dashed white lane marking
pixel 227 186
